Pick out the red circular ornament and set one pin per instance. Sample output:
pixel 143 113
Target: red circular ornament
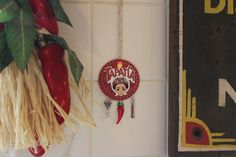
pixel 119 79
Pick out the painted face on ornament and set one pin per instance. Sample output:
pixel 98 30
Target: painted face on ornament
pixel 120 86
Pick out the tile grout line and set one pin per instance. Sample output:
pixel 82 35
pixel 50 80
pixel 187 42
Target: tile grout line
pixel 154 4
pixel 91 74
pixel 142 81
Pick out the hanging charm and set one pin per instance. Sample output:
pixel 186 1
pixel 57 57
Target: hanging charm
pixel 133 107
pixel 107 104
pixel 119 80
pixel 120 111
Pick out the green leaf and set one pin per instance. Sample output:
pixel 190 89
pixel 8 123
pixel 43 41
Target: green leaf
pixel 2 41
pixel 75 65
pixel 5 59
pixel 56 39
pixel 5 54
pixel 8 10
pixel 22 2
pixel 21 34
pixel 59 12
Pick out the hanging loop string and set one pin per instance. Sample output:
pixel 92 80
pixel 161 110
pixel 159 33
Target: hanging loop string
pixel 120 28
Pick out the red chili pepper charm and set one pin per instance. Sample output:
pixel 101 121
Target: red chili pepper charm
pixel 37 153
pixel 1 27
pixel 44 15
pixel 56 76
pixel 120 111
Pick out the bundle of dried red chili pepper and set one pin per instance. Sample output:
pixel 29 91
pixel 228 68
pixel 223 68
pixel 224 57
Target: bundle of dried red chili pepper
pixel 44 15
pixel 52 60
pixel 56 76
pixel 35 78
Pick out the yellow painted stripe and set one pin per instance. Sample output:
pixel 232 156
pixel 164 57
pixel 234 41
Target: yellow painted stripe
pixel 224 140
pixel 194 107
pixel 217 134
pixel 183 138
pixel 189 109
pixel 184 94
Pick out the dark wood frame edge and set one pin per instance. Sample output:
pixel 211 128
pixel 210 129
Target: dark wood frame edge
pixel 173 74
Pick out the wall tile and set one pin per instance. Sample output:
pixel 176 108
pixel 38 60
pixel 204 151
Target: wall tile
pixel 74 1
pixel 78 143
pixel 78 37
pixel 111 1
pixel 81 143
pixel 61 149
pixel 80 146
pixel 104 36
pixel 145 40
pixel 142 136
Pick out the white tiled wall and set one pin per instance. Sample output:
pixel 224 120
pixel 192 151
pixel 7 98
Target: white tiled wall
pixel 94 38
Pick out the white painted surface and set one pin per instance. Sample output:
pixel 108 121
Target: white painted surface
pixel 94 38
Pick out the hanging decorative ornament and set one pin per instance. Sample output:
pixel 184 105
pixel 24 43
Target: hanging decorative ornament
pixel 132 107
pixel 107 104
pixel 119 79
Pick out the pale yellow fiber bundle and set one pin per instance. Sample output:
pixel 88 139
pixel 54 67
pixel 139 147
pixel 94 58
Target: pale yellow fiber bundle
pixel 26 109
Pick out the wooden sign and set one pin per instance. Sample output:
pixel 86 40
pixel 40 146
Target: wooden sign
pixel 202 77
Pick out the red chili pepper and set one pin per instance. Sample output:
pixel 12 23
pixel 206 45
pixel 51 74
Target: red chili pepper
pixel 56 76
pixel 44 15
pixel 37 153
pixel 1 27
pixel 120 111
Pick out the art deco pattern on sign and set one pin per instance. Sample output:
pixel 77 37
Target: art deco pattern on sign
pixel 206 76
